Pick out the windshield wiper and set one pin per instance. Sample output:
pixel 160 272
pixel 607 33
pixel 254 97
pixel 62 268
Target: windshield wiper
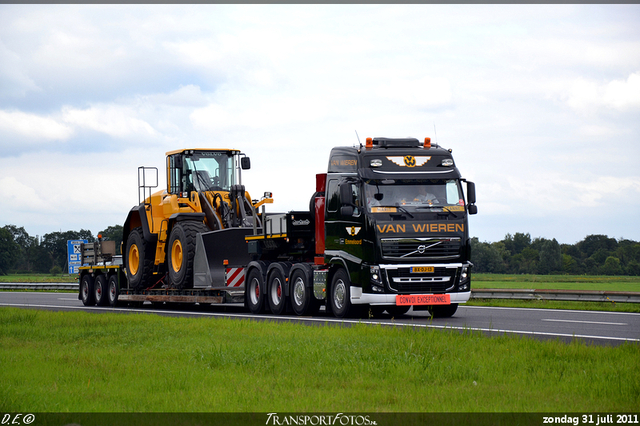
pixel 449 211
pixel 403 210
pixel 438 207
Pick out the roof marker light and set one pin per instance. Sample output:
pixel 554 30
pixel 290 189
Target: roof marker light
pixel 369 143
pixel 427 143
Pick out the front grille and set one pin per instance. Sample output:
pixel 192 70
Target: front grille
pixel 421 248
pixel 403 281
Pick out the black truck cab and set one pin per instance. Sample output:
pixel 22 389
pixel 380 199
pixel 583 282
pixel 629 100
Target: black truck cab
pixel 396 219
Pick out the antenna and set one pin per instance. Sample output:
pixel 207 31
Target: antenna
pixel 358 138
pixel 435 134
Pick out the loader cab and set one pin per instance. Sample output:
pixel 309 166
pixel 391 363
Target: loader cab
pixel 204 170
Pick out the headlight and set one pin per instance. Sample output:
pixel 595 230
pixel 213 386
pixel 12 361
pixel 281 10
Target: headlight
pixel 376 279
pixel 465 279
pixel 374 271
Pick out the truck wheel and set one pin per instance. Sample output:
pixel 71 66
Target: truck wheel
pixel 86 291
pixel 113 290
pixel 275 292
pixel 302 300
pixel 100 290
pixel 443 311
pixel 138 260
pixel 182 249
pixel 340 294
pixel 253 294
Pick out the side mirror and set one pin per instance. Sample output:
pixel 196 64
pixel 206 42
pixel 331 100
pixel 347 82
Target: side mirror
pixel 346 200
pixel 471 197
pixel 471 192
pixel 245 163
pixel 346 196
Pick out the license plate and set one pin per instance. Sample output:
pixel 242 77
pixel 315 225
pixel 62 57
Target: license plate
pixel 423 299
pixel 422 269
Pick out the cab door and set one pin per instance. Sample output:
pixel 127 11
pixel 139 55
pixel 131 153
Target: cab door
pixel 344 222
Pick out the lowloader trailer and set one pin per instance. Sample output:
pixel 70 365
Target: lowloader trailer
pixel 386 230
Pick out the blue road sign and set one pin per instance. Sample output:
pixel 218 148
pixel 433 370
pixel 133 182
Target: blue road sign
pixel 74 253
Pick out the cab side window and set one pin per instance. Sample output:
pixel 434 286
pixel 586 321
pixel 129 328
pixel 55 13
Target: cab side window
pixel 333 196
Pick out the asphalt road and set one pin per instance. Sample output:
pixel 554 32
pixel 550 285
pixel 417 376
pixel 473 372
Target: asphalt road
pixel 601 328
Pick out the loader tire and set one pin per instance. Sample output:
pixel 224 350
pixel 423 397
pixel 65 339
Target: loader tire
pixel 182 250
pixel 138 260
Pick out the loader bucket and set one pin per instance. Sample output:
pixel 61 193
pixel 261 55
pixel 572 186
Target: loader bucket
pixel 212 248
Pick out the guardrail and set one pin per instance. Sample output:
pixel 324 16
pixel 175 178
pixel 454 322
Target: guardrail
pixel 564 295
pixel 516 294
pixel 39 286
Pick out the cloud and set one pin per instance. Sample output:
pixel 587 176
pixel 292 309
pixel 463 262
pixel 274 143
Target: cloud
pixel 189 95
pixel 16 194
pixel 585 95
pixel 33 127
pixel 538 102
pixel 13 73
pixel 113 120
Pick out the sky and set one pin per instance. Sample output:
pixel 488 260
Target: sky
pixel 539 103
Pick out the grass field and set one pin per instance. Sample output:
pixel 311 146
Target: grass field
pixel 83 362
pixel 557 282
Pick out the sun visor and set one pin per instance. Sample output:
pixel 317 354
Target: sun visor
pixel 444 173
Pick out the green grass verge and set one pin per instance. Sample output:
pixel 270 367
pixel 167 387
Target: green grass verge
pixel 83 362
pixel 557 282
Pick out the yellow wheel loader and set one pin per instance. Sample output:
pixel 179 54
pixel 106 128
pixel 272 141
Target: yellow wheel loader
pixel 204 195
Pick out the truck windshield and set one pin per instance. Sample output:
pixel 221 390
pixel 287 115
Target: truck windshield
pixel 210 171
pixel 384 196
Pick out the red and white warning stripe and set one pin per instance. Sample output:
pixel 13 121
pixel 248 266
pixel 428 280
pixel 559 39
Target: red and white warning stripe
pixel 235 277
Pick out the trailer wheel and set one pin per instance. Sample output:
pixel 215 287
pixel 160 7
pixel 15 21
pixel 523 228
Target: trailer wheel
pixel 182 249
pixel 254 295
pixel 86 290
pixel 100 290
pixel 275 292
pixel 443 311
pixel 302 300
pixel 340 294
pixel 113 290
pixel 138 260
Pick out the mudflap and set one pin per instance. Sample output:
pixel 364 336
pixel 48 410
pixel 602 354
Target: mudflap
pixel 212 249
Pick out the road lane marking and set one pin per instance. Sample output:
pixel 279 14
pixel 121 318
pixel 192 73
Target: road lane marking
pixel 585 322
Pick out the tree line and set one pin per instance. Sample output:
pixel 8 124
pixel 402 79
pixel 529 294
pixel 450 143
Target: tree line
pixel 22 253
pixel 515 254
pixel 519 254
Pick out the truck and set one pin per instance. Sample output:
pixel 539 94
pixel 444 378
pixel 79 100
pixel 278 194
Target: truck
pixel 386 230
